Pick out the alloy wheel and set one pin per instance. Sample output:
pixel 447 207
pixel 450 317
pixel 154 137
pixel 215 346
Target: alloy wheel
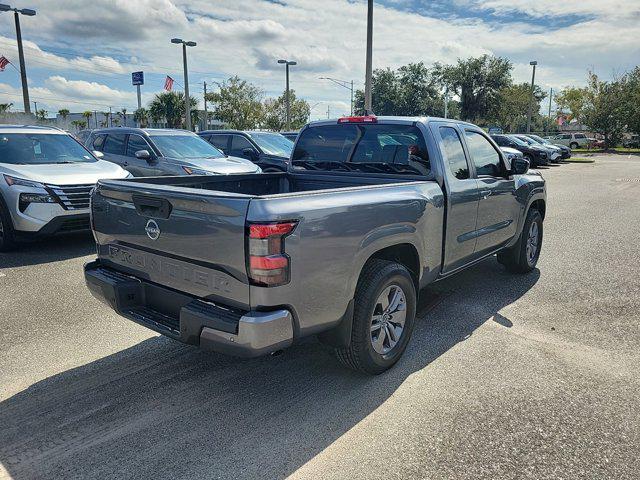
pixel 388 319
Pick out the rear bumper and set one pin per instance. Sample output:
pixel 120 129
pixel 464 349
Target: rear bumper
pixel 189 319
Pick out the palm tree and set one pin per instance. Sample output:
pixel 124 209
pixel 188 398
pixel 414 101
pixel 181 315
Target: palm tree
pixel 123 114
pixel 64 113
pixel 87 114
pixel 141 116
pixel 170 105
pixel 41 114
pixel 5 107
pixel 79 124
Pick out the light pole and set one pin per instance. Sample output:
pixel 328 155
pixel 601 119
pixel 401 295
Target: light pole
pixel 23 71
pixel 287 63
pixel 533 80
pixel 343 84
pixel 368 73
pixel 187 98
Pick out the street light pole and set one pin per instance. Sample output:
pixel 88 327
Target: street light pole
pixel 287 63
pixel 343 84
pixel 533 80
pixel 368 73
pixel 187 98
pixel 23 71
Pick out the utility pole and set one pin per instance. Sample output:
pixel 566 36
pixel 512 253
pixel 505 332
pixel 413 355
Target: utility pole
pixel 550 98
pixel 328 111
pixel 533 80
pixel 95 117
pixel 110 118
pixel 446 103
pixel 368 73
pixel 206 118
pixel 187 98
pixel 23 69
pixel 35 107
pixel 287 63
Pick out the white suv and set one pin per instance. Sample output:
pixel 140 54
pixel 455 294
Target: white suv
pixel 45 180
pixel 572 140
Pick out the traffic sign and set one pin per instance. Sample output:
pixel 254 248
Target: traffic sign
pixel 137 78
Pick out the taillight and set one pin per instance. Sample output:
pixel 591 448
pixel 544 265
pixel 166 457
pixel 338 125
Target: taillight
pixel 360 119
pixel 268 264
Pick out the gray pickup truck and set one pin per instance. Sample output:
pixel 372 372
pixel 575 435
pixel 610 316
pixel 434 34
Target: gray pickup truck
pixel 371 210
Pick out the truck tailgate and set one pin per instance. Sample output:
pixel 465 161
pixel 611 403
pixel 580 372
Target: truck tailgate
pixel 186 239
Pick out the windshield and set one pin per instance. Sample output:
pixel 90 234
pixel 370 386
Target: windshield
pixel 185 146
pixel 40 149
pixel 273 143
pixel 520 141
pixel 373 148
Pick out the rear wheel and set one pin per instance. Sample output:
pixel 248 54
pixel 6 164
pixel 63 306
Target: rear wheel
pixel 383 318
pixel 532 162
pixel 573 145
pixel 523 256
pixel 6 229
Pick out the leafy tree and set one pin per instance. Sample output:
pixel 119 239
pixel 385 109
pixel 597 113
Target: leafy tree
pixel 478 82
pixel 574 100
pixel 513 105
pixel 605 111
pixel 141 116
pixel 5 107
pixel 410 90
pixel 275 112
pixel 238 104
pixel 79 124
pixel 64 113
pixel 170 106
pixel 632 100
pixel 41 114
pixel 123 114
pixel 87 114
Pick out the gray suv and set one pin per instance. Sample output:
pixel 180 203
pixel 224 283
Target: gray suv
pixel 149 152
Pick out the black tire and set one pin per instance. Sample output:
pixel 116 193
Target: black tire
pixel 573 145
pixel 518 259
pixel 532 162
pixel 7 233
pixel 377 276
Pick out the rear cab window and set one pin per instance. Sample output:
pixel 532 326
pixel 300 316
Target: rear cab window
pixel 372 147
pixel 114 144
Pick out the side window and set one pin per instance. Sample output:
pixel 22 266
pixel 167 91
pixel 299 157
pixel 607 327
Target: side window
pixel 114 144
pixel 566 137
pixel 454 153
pixel 580 135
pixel 221 142
pixel 135 143
pixel 238 144
pixel 484 155
pixel 98 143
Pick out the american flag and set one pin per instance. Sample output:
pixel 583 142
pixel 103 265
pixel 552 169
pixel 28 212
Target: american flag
pixel 4 62
pixel 168 83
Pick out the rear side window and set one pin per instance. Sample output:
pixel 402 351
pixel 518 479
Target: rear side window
pixel 114 144
pixel 454 153
pixel 98 142
pixel 221 142
pixel 485 158
pixel 580 135
pixel 238 144
pixel 136 143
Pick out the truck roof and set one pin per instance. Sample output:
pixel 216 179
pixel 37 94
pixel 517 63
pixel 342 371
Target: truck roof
pixel 148 131
pixel 396 120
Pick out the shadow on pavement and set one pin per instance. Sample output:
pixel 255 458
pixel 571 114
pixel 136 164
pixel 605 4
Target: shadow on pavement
pixel 48 250
pixel 165 410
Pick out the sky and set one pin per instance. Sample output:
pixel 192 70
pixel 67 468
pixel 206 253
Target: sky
pixel 80 54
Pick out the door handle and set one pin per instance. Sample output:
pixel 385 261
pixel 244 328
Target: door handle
pixel 485 194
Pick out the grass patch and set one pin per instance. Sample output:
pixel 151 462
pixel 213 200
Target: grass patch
pixel 602 150
pixel 580 160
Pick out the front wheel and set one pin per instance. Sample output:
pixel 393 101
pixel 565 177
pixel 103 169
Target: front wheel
pixel 383 317
pixel 573 146
pixel 6 229
pixel 524 255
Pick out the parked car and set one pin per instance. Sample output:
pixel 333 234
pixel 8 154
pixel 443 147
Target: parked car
pixel 553 153
pixel 269 150
pixel 564 151
pixel 572 140
pixel 46 176
pixel 512 153
pixel 290 135
pixel 339 245
pixel 631 142
pixel 151 152
pixel 535 154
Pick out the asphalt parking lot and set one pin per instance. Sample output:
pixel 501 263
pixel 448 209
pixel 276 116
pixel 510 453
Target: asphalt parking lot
pixel 534 376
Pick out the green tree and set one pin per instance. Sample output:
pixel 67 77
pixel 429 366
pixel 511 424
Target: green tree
pixel 41 114
pixel 632 100
pixel 141 116
pixel 87 114
pixel 170 106
pixel 64 113
pixel 123 114
pixel 513 104
pixel 238 104
pixel 605 109
pixel 410 90
pixel 79 124
pixel 572 100
pixel 478 82
pixel 275 112
pixel 5 107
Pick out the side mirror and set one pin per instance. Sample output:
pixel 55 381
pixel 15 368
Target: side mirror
pixel 98 155
pixel 519 166
pixel 250 153
pixel 143 155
